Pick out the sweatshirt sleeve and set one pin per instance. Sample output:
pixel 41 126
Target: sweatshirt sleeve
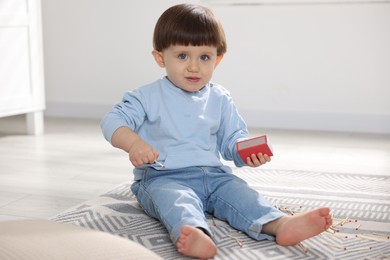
pixel 233 128
pixel 129 112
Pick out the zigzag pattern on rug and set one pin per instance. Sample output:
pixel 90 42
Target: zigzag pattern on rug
pixel 360 206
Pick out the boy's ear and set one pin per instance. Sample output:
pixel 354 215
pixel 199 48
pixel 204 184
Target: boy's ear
pixel 158 57
pixel 219 58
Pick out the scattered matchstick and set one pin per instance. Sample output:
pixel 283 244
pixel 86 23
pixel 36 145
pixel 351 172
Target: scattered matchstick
pixel 304 249
pixel 358 226
pixel 331 231
pixel 337 246
pixel 371 237
pixel 340 222
pixel 239 241
pixel 381 235
pixel 341 247
pixel 364 248
pixel 337 223
pixel 334 229
pixel 345 220
pixel 337 235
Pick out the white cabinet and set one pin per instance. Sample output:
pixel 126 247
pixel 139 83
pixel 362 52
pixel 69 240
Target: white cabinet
pixel 21 62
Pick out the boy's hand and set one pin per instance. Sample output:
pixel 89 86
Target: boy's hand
pixel 256 161
pixel 141 153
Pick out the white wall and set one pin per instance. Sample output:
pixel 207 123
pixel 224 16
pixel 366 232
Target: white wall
pixel 95 50
pixel 323 67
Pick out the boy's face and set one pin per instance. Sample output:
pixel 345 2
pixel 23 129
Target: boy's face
pixel 188 67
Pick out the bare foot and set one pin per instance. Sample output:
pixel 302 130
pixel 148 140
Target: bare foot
pixel 194 242
pixel 291 230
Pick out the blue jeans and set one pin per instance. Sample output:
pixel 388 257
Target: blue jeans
pixel 182 196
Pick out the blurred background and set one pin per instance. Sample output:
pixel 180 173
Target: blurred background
pixel 291 64
pixel 312 74
pixel 316 65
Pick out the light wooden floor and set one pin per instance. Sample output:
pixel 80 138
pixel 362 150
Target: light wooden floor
pixel 42 176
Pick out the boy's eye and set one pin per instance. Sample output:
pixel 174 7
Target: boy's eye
pixel 204 57
pixel 182 56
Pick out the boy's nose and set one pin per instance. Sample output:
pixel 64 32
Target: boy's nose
pixel 193 67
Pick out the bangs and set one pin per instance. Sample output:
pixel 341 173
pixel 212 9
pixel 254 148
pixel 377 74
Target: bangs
pixel 189 25
pixel 193 33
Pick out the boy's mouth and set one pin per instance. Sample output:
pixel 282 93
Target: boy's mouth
pixel 193 79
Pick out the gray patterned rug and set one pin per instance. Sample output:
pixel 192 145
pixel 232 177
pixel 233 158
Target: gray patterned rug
pixel 360 206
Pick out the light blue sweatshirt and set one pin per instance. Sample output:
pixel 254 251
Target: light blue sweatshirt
pixel 186 128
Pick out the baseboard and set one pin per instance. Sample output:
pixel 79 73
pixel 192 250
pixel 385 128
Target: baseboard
pixel 77 110
pixel 378 124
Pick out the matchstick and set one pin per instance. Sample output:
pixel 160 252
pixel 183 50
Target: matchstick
pixel 304 249
pixel 160 164
pixel 239 241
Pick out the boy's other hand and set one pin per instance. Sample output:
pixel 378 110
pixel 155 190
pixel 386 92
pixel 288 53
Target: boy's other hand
pixel 257 160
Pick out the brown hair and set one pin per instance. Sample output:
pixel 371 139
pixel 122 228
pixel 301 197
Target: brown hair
pixel 188 24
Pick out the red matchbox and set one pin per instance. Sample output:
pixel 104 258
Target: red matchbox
pixel 255 145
